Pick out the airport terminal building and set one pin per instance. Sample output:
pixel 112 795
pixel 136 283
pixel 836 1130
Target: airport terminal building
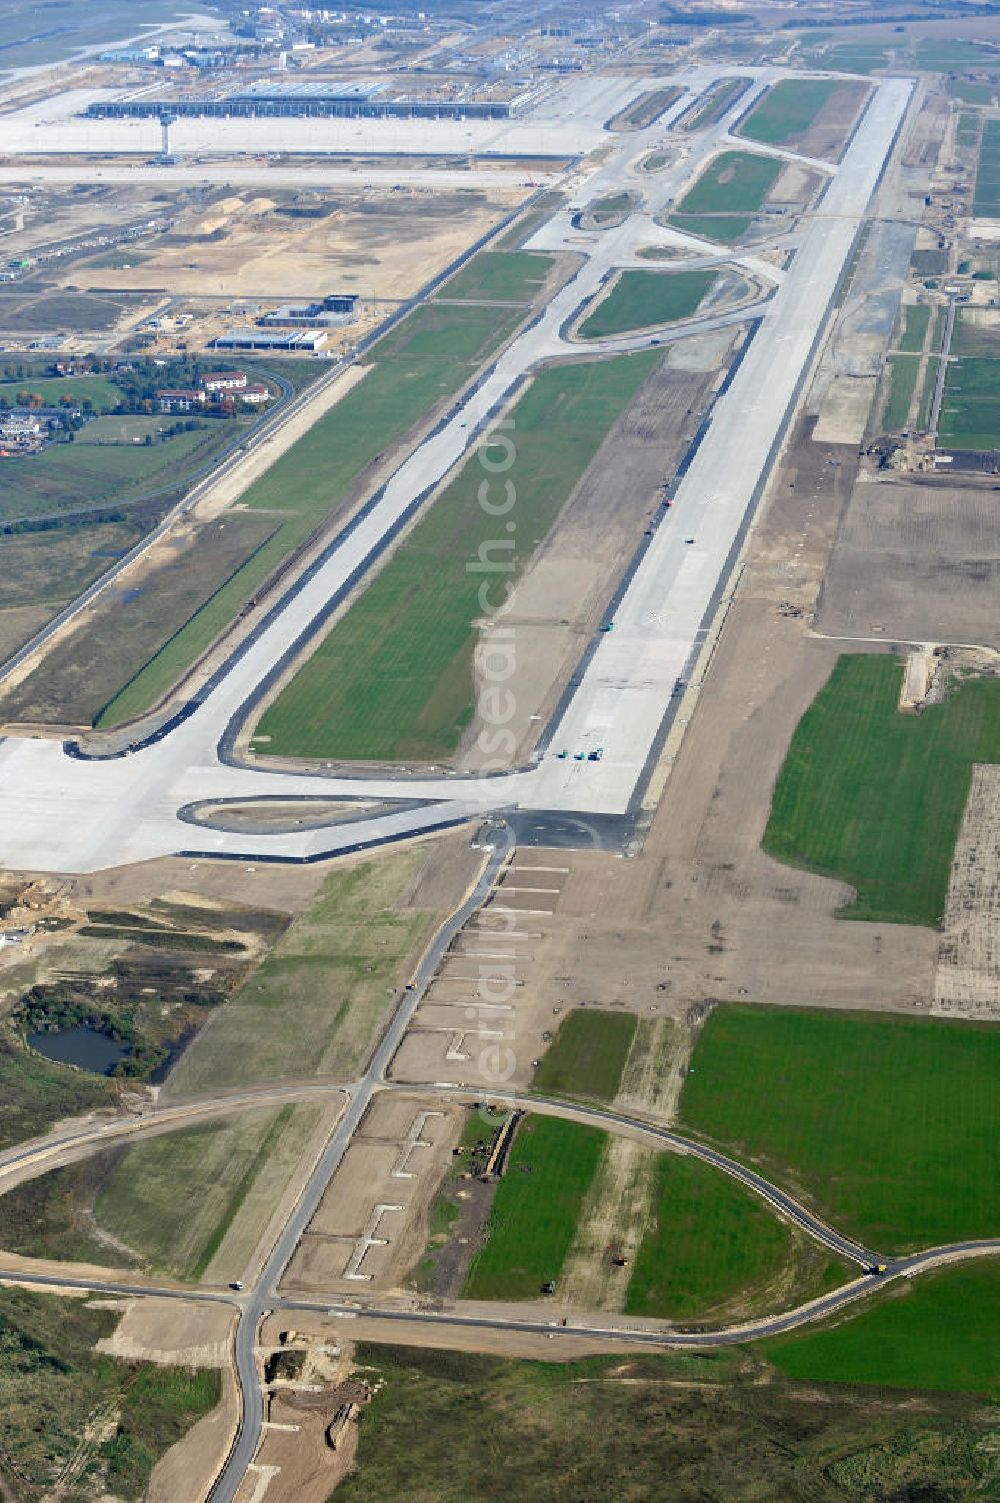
pixel 315 98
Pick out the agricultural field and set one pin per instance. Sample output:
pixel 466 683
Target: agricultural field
pixel 315 1004
pixel 617 1426
pixel 734 182
pixel 811 115
pixel 371 690
pixel 646 299
pixel 499 276
pixel 902 371
pixel 938 55
pixel 425 359
pixel 536 1209
pixel 587 1056
pixel 710 1244
pixel 855 57
pixel 875 798
pixel 888 1125
pixel 54 1388
pixel 938 1332
pixel 970 93
pixel 970 411
pixel 986 201
pixel 714 103
pixel 914 319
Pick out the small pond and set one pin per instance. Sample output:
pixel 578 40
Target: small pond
pixel 81 1046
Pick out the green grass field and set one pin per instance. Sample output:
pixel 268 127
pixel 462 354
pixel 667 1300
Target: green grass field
pixel 970 93
pixel 735 182
pixel 316 1003
pixel 940 1332
pixel 789 108
pixel 102 394
pixel 536 1209
pixel 60 1399
pixel 78 476
pixel 890 1125
pixel 427 358
pixel 709 1242
pixel 727 228
pixel 503 276
pixel 394 678
pixel 212 1171
pixel 970 411
pixel 937 55
pixel 855 58
pixel 903 371
pixel 914 319
pixel 587 1056
pixel 967 130
pixel 875 798
pixel 644 299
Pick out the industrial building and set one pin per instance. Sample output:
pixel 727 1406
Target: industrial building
pixel 338 308
pixel 298 341
pixel 320 98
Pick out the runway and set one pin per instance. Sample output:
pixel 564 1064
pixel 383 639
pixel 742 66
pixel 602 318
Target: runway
pixel 62 814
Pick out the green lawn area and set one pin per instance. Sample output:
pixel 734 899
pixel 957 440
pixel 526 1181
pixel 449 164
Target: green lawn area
pixel 789 108
pixel 642 299
pixel 54 1386
pixel 587 1056
pixel 970 411
pixel 967 130
pixel 913 327
pixel 727 228
pixel 940 1332
pixel 536 1209
pixel 875 798
pixel 903 372
pixel 315 1005
pixel 426 358
pixel 102 394
pixel 735 182
pixel 507 276
pixel 891 1126
pixel 709 1241
pixel 394 677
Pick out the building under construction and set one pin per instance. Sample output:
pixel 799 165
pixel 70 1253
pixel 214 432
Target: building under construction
pixel 315 98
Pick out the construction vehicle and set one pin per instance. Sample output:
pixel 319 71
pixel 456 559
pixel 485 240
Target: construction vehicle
pixel 596 754
pixel 877 1268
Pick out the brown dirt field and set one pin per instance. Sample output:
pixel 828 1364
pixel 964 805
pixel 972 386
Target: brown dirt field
pixel 379 1168
pixel 917 562
pixel 169 1332
pixel 241 247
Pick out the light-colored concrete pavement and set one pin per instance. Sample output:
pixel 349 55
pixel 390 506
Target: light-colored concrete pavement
pixel 58 813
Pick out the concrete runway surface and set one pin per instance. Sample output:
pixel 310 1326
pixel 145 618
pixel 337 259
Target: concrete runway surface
pixel 59 813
